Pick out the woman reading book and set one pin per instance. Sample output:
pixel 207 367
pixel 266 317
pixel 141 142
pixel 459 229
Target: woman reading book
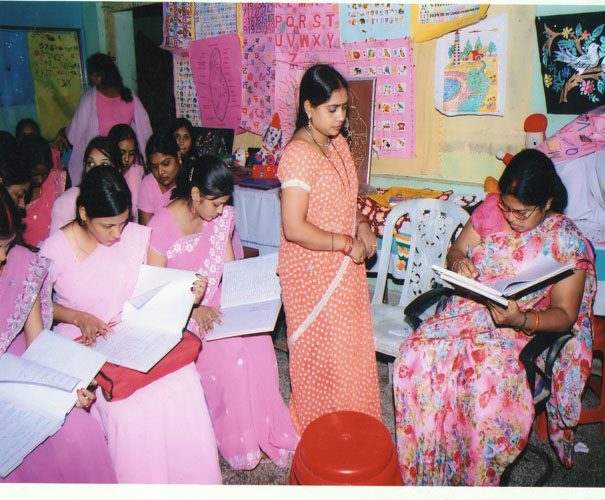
pixel 463 406
pixel 77 453
pixel 162 433
pixel 195 232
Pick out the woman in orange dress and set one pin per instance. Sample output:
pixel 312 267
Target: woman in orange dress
pixel 322 251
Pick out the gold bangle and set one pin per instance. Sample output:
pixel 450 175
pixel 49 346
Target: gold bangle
pixel 535 328
pixel 332 235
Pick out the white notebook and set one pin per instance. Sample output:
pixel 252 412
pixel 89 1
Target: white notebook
pixel 38 390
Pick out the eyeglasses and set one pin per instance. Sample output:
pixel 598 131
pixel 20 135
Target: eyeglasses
pixel 519 214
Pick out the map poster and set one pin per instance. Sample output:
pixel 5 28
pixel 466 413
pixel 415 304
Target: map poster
pixel 470 69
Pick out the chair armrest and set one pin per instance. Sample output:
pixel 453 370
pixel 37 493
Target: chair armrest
pixel 550 342
pixel 421 303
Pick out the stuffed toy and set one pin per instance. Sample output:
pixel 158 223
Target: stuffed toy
pixel 535 134
pixel 273 143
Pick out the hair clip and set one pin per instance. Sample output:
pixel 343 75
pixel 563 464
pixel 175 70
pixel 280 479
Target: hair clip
pixel 191 173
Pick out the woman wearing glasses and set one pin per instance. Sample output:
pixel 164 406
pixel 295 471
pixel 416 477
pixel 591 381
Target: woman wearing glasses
pixel 463 406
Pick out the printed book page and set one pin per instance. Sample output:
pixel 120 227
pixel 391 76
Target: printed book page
pixel 247 281
pixel 539 270
pixel 21 430
pixel 152 321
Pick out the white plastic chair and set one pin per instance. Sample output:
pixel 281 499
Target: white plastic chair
pixel 433 224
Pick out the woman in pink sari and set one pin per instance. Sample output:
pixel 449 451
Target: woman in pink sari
pixel 239 374
pixel 463 407
pixel 48 184
pixel 162 433
pixel 77 453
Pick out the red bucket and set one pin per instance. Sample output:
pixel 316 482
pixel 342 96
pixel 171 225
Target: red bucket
pixel 346 448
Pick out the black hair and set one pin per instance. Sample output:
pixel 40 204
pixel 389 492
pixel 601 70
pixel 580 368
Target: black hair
pixel 103 193
pixel 11 174
pixel 32 151
pixel 209 174
pixel 531 177
pixel 161 142
pixel 122 132
pixel 22 125
pixel 317 85
pixel 181 122
pixel 106 146
pixel 9 215
pixel 104 66
pixel 8 145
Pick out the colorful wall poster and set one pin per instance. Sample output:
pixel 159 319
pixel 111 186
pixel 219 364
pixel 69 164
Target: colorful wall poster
pixel 303 28
pixel 392 64
pixel 572 60
pixel 56 70
pixel 470 69
pixel 185 95
pixel 216 64
pixel 373 21
pixel 585 134
pixel 430 21
pixel 213 19
pixel 257 21
pixel 178 25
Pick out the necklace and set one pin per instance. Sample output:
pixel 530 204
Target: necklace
pixel 346 188
pixel 77 244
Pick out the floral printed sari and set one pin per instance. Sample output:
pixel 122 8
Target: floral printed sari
pixel 463 406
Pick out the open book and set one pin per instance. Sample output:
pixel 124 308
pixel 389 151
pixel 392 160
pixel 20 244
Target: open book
pixel 37 391
pixel 250 297
pixel 540 269
pixel 152 320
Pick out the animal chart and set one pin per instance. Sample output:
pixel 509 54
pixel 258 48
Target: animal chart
pixel 391 63
pixel 184 91
pixel 216 64
pixel 370 21
pixel 470 69
pixel 178 25
pixel 258 65
pixel 572 60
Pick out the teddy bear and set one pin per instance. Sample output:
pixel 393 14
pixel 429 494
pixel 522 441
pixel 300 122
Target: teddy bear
pixel 535 133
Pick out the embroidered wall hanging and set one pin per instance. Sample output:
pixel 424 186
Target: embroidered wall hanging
pixel 572 60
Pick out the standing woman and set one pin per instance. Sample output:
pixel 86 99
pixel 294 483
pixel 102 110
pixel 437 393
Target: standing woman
pixel 239 374
pixel 321 260
pixel 161 433
pixel 99 109
pixel 77 453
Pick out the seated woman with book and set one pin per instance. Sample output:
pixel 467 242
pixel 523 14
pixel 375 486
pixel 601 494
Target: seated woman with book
pixel 463 406
pixel 239 374
pixel 77 453
pixel 162 432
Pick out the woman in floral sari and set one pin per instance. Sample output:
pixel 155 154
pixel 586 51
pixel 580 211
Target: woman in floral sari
pixel 463 406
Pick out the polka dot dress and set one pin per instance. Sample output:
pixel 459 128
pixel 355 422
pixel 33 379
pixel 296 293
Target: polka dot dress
pixel 330 336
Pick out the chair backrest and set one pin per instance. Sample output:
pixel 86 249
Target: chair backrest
pixel 432 225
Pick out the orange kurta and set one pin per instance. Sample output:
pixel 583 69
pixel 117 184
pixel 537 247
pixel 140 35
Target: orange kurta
pixel 325 294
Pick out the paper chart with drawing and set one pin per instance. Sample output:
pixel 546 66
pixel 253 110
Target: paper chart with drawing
pixel 37 391
pixel 539 270
pixel 152 320
pixel 250 297
pixel 470 69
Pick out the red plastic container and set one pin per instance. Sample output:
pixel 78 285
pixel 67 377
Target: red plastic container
pixel 346 448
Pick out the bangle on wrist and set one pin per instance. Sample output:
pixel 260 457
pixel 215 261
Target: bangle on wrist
pixel 524 322
pixel 535 328
pixel 348 244
pixel 362 220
